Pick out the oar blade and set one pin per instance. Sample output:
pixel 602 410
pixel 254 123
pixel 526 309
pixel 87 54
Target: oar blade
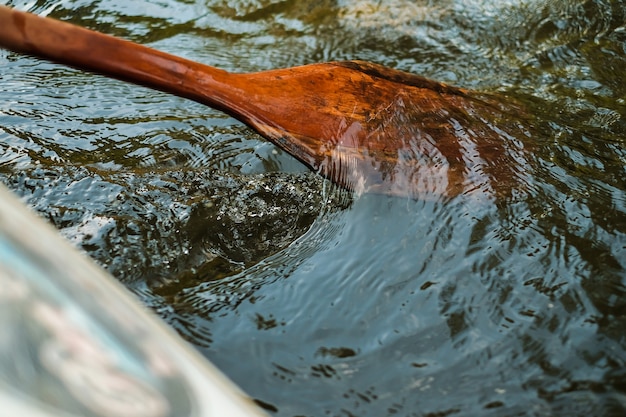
pixel 373 129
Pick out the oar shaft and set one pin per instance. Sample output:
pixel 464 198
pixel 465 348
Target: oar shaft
pixel 88 50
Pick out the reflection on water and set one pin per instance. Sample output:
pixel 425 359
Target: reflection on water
pixel 317 303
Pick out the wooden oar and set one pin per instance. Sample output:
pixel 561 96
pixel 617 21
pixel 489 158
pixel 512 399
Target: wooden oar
pixel 364 126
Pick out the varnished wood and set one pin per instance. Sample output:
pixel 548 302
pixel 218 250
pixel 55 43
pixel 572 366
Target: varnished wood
pixel 366 127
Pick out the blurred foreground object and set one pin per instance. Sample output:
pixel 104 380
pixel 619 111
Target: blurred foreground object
pixel 75 343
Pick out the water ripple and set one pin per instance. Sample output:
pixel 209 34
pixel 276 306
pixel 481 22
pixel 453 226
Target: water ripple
pixel 320 302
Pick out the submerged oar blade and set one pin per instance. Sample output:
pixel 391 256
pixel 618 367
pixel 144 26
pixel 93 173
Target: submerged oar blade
pixel 374 129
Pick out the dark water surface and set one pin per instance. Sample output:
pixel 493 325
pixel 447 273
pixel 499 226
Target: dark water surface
pixel 320 303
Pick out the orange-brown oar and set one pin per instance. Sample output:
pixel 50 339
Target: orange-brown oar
pixel 364 126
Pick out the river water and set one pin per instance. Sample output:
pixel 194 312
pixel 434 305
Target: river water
pixel 319 302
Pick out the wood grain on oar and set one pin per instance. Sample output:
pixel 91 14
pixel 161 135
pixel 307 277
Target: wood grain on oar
pixel 364 126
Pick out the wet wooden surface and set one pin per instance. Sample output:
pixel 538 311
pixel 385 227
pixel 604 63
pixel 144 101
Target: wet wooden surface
pixel 366 127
